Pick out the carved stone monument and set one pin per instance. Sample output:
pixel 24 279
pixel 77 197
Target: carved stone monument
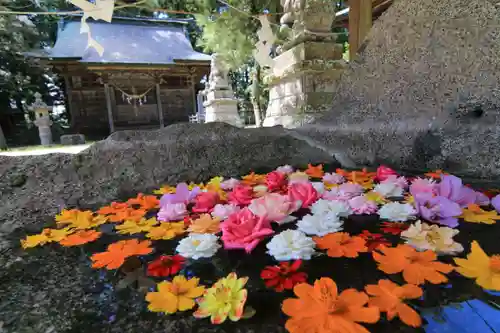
pixel 42 121
pixel 303 77
pixel 220 104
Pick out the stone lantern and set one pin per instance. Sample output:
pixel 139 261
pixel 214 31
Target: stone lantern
pixel 42 120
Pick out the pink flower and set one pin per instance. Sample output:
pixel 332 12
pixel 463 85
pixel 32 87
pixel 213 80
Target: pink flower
pixel 303 192
pixel 383 172
pixel 286 169
pixel 394 179
pixel 275 207
pixel 224 211
pixel 361 205
pixel 275 180
pixel 172 212
pixel 205 202
pixel 229 184
pixel 333 178
pixel 495 202
pixel 244 230
pixel 451 187
pixel 241 195
pixel 182 195
pixel 344 192
pixel 422 185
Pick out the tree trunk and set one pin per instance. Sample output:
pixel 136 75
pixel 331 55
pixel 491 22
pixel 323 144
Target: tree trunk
pixel 257 110
pixel 3 142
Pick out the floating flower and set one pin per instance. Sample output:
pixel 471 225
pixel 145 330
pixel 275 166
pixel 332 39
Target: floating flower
pixel 319 187
pixel 244 230
pixel 117 252
pixel 229 184
pixel 114 208
pixel 165 189
pixel 275 207
pixel 388 190
pixel 298 177
pixel 166 265
pixel 283 276
pixel 384 172
pixel 286 169
pixel 344 192
pixel 222 212
pixel 389 297
pixel 423 236
pixel 320 224
pixel 253 179
pixel 333 178
pixel 451 187
pixel 80 237
pixel 336 207
pixel 438 209
pixel 80 220
pixel 260 190
pixel 320 308
pixel 423 185
pixel 146 202
pixel 205 202
pixel 417 267
pixel 225 299
pixel 486 270
pixel 394 228
pixel 178 295
pixel 436 174
pixel 475 214
pixel 118 212
pixel 182 195
pixel 46 236
pixel 166 230
pixel 205 224
pixel 361 205
pixel 132 227
pixel 375 197
pixel 276 181
pixel 398 181
pixel 373 241
pixel 303 192
pixel 172 212
pixel 341 244
pixel 495 202
pixel 215 182
pixel 291 245
pixel 198 246
pixel 397 212
pixel 241 195
pixel 315 171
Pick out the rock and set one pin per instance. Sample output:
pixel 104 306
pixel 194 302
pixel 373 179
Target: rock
pixel 424 92
pixel 130 162
pixel 72 139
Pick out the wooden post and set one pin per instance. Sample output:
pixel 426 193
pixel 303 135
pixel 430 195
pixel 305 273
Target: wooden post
pixel 159 106
pixel 69 99
pixel 360 23
pixel 193 90
pixel 109 107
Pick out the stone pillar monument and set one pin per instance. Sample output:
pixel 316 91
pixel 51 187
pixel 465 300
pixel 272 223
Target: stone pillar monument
pixel 42 120
pixel 305 73
pixel 220 104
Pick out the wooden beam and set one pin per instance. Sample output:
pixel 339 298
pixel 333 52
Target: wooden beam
pixel 109 107
pixel 360 23
pixel 159 106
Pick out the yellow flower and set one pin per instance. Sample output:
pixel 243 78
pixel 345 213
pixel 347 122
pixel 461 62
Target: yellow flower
pixel 423 236
pixel 376 197
pixel 192 185
pixel 298 176
pixel 80 220
pixel 215 181
pixel 46 236
pixel 409 199
pixel 329 186
pixel 132 227
pixel 214 185
pixel 475 214
pixel 205 225
pixel 165 189
pixel 166 230
pixel 226 298
pixel 486 270
pixel 174 296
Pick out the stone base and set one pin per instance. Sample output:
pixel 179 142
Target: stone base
pixel 72 139
pixel 223 110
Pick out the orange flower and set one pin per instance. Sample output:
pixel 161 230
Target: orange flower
pixel 320 309
pixel 114 208
pixel 164 190
pixel 120 211
pixel 146 202
pixel 80 238
pixel 253 179
pixel 388 297
pixel 436 174
pixel 315 171
pixel 117 252
pixel 340 244
pixel 417 267
pixel 205 225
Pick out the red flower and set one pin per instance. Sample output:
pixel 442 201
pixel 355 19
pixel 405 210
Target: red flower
pixel 394 228
pixel 384 172
pixel 373 241
pixel 275 181
pixel 284 276
pixel 166 265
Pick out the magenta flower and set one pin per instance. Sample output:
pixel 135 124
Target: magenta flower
pixel 182 195
pixel 303 192
pixel 423 185
pixel 172 212
pixel 361 205
pixel 438 209
pixel 344 192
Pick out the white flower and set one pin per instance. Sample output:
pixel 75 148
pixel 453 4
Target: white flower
pixel 286 169
pixel 396 211
pixel 229 184
pixel 291 245
pixel 423 236
pixel 338 207
pixel 198 246
pixel 222 212
pixel 319 187
pixel 320 224
pixel 389 190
